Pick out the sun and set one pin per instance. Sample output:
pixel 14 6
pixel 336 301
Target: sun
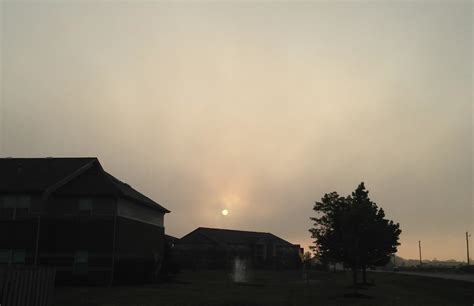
pixel 225 212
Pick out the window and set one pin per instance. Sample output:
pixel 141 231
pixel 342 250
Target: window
pixel 12 256
pixel 81 262
pixel 18 256
pixel 12 206
pixel 7 202
pixel 23 203
pixel 7 208
pixel 85 206
pixel 81 257
pixel 5 256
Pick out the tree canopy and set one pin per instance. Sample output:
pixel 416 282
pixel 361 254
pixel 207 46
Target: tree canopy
pixel 352 230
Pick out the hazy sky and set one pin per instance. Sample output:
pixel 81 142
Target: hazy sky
pixel 259 108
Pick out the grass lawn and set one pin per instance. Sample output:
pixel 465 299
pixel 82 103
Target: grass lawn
pixel 275 288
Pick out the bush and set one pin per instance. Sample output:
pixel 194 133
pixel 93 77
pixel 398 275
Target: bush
pixel 466 269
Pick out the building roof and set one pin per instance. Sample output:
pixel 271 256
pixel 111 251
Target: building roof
pixel 226 236
pixel 47 175
pixel 36 174
pixel 171 238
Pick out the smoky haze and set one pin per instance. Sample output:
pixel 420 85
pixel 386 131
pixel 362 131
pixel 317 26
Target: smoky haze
pixel 258 108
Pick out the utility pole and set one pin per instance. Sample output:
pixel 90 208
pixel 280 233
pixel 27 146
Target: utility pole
pixel 467 246
pixel 419 248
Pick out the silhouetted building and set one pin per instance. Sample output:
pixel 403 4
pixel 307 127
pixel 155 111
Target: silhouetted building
pixel 172 241
pixel 218 248
pixel 70 213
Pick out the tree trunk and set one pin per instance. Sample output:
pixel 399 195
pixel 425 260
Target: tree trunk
pixel 364 276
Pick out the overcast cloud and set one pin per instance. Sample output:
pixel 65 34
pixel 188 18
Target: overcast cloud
pixel 259 108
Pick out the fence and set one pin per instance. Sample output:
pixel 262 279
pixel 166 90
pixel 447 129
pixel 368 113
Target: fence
pixel 26 286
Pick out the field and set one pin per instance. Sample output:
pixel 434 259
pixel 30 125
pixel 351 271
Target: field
pixel 275 288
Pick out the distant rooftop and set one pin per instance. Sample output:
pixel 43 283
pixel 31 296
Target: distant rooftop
pixel 226 236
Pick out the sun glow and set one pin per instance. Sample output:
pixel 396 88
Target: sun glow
pixel 225 212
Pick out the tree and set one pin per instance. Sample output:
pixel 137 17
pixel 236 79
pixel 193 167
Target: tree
pixel 353 231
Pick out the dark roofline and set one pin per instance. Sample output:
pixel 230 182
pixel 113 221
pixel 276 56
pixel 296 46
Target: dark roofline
pixel 202 234
pixel 89 162
pixel 70 177
pixel 146 201
pixel 232 230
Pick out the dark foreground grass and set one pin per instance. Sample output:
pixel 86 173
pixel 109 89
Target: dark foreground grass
pixel 275 288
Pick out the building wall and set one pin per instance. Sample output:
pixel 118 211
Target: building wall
pixel 257 256
pixel 137 212
pixel 80 242
pixel 201 256
pixel 139 250
pixel 18 227
pixel 14 205
pixel 80 247
pixel 18 237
